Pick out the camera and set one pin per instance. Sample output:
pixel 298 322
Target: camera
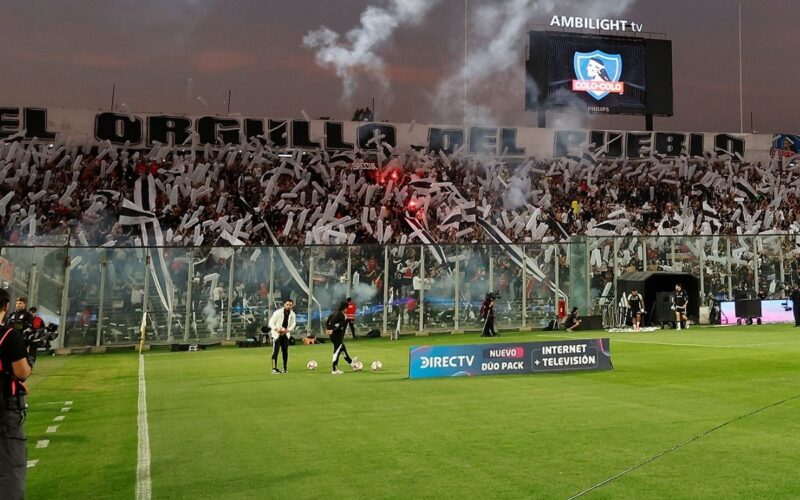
pixel 39 338
pixel 493 295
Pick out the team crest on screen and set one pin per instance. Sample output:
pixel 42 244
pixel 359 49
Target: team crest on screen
pixel 598 73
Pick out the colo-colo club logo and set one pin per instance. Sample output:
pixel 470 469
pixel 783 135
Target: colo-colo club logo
pixel 598 73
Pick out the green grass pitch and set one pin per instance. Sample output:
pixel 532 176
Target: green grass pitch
pixel 222 427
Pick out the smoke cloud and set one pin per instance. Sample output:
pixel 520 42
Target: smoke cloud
pixel 357 53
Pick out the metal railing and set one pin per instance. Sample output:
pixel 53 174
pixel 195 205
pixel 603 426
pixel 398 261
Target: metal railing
pixel 98 295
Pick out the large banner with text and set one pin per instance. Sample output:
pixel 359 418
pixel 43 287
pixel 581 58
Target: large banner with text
pixel 509 358
pixel 147 130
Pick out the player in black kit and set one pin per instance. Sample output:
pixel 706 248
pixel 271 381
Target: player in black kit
pixel 636 305
pixel 680 303
pixel 335 327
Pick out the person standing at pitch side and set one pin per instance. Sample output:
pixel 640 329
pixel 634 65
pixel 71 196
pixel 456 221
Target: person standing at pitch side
pixel 335 328
pixel 636 305
pixel 282 325
pixel 14 369
pixel 487 313
pixel 795 298
pixel 680 303
pixel 350 317
pixel 20 320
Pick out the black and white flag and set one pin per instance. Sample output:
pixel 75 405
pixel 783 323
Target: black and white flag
pixel 141 212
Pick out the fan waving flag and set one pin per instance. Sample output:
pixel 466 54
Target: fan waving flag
pixel 420 232
pixel 141 212
pixel 517 256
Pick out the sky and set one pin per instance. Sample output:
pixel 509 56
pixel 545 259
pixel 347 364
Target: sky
pixel 183 56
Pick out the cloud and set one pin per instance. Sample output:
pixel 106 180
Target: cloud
pixel 220 61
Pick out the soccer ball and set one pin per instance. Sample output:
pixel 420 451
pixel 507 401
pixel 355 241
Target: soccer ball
pixel 311 365
pixel 358 366
pixel 377 366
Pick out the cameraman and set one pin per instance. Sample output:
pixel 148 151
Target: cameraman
pixel 14 369
pixel 487 313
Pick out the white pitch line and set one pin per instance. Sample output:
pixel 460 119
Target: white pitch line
pixel 32 463
pixel 52 429
pixel 143 484
pixel 700 345
pixel 42 443
pixel 68 403
pixel 59 418
pixel 66 409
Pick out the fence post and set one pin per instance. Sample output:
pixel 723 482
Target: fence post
pixel 310 289
pixel 101 306
pixel 643 253
pixel 189 283
pixel 33 285
pixel 702 244
pixel 349 273
pixel 421 304
pixel 524 285
pixel 673 256
pixel 557 265
pixel 755 264
pixel 781 269
pixel 491 269
pixel 728 267
pixel 385 289
pixel 146 294
pixel 170 317
pixel 616 268
pixel 456 293
pixel 271 299
pixel 231 270
pixel 62 327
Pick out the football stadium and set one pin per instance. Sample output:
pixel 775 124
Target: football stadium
pixel 398 249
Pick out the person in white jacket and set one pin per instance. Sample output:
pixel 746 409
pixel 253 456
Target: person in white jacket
pixel 281 324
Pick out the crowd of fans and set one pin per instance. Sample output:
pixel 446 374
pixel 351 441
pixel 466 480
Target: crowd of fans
pixel 256 196
pixel 55 191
